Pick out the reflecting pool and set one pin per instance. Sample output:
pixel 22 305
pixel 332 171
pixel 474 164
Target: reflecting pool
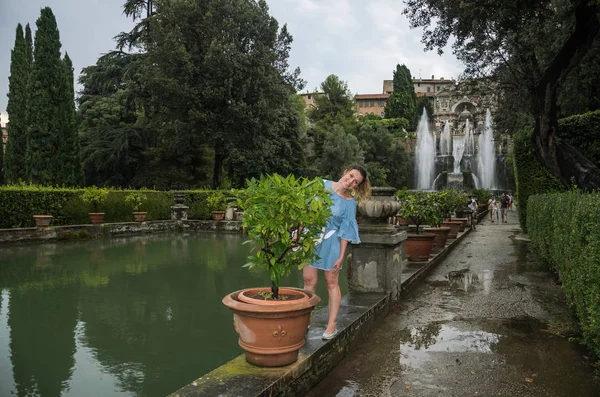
pixel 136 316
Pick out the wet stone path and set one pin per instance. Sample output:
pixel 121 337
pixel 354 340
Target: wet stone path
pixel 488 321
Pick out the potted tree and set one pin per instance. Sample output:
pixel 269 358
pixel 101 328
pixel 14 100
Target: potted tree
pixel 420 209
pixel 441 232
pixel 136 199
pixel 448 205
pixel 95 196
pixel 283 217
pixel 217 203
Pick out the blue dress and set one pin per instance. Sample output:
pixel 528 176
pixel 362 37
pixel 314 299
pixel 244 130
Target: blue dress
pixel 340 225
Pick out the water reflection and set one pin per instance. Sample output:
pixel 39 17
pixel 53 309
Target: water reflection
pixel 468 281
pixel 136 316
pixel 419 343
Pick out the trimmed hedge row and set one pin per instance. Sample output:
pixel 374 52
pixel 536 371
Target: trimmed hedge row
pixel 583 132
pixel 18 204
pixel 530 176
pixel 565 232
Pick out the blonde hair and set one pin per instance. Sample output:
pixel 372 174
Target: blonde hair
pixel 363 190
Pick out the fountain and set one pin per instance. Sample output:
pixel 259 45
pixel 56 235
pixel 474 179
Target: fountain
pixel 458 156
pixel 486 158
pixel 425 154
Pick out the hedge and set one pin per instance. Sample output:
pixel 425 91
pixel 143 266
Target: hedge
pixel 19 203
pixel 530 176
pixel 583 132
pixel 565 232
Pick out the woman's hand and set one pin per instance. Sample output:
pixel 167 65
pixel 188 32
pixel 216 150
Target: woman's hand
pixel 337 265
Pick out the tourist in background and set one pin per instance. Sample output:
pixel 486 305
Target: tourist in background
pixel 504 207
pixel 493 208
pixel 340 230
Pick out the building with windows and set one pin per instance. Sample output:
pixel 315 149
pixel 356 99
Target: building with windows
pixel 309 99
pixel 373 104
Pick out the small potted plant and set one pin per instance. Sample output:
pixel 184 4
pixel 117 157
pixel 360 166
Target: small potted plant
pixel 420 209
pixel 453 200
pixel 283 217
pixel 217 203
pixel 136 199
pixel 95 196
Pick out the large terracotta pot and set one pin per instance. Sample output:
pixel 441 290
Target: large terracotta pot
pixel 441 235
pixel 140 216
pixel 97 218
pixel 402 221
pixel 463 220
pixel 271 333
pixel 42 220
pixel 454 228
pixel 418 246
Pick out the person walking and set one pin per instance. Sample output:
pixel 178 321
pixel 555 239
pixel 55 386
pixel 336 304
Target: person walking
pixel 493 208
pixel 340 230
pixel 504 207
pixel 473 207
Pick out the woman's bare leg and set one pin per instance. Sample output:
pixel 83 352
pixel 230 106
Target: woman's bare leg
pixel 335 298
pixel 310 277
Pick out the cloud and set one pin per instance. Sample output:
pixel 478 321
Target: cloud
pixel 360 41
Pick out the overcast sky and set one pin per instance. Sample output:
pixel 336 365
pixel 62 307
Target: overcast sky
pixel 361 41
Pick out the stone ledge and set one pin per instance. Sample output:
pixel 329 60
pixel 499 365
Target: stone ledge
pixel 358 314
pixel 111 229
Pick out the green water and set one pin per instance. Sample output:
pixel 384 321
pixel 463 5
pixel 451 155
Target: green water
pixel 140 316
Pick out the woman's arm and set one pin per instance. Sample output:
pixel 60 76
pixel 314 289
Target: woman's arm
pixel 338 263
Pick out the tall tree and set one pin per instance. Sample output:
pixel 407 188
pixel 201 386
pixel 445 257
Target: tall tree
pixel 231 88
pixel 47 89
pixel 532 46
pixel 403 101
pixel 29 44
pixel 20 68
pixel 69 172
pixel 334 105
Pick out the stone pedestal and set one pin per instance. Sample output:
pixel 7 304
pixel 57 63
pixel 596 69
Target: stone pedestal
pixel 375 265
pixel 179 209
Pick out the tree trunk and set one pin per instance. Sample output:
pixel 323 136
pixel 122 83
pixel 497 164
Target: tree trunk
pixel 563 160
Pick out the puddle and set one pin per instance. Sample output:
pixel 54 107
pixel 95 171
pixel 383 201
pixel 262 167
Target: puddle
pixel 419 343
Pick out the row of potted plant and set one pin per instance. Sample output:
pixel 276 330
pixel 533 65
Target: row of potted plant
pixel 436 210
pixel 95 196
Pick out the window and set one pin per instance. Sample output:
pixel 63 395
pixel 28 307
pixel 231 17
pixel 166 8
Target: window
pixel 309 97
pixel 428 89
pixel 360 104
pixel 372 103
pixel 381 103
pixel 418 84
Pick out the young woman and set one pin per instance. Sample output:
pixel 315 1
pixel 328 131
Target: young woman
pixel 341 229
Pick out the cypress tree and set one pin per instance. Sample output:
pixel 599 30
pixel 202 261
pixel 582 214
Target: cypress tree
pixel 403 101
pixel 20 68
pixel 29 44
pixel 47 78
pixel 69 164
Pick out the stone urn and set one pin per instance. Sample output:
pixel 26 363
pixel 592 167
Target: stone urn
pixel 382 204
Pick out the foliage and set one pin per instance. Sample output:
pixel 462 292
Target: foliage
pixel 276 206
pixel 583 132
pixel 136 199
pixel 528 48
pixel 420 207
pixel 403 101
pixel 94 195
pixel 180 112
pixel 387 162
pixel 481 195
pixel 339 150
pixel 564 232
pixel 216 201
pixel 20 69
pixel 396 126
pixel 531 177
pixel 334 105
